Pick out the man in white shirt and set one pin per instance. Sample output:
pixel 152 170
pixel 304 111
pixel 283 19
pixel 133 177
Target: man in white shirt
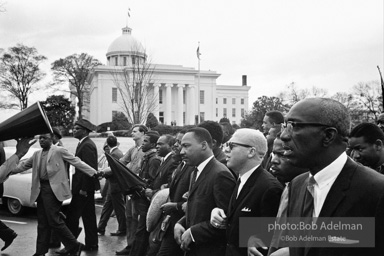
pixel 315 136
pixel 258 191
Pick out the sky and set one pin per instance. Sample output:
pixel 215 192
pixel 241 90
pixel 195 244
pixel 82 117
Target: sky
pixel 329 44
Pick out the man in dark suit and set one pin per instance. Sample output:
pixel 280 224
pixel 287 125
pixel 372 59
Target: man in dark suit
pixel 315 136
pixel 177 188
pixel 258 192
pixel 83 188
pixel 115 198
pixel 168 165
pixel 211 186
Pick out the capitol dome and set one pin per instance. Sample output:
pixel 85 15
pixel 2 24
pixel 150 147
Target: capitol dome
pixel 125 46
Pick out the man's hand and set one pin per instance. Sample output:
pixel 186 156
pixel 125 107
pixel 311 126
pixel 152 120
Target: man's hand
pixel 186 240
pixel 178 231
pixel 148 193
pixel 253 243
pixel 83 193
pixel 281 252
pixel 184 207
pixel 168 207
pixel 218 218
pixel 23 146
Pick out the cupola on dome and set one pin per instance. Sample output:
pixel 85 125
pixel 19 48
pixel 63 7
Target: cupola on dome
pixel 126 44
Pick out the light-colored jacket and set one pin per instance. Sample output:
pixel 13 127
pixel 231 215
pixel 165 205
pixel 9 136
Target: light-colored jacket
pixel 56 169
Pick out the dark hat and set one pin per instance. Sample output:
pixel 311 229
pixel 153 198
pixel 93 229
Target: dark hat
pixel 153 136
pixel 86 124
pixel 57 132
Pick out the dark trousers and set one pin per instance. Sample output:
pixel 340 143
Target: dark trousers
pixel 131 220
pixel 83 207
pixel 112 202
pixel 140 243
pixel 168 246
pixel 48 219
pixel 5 231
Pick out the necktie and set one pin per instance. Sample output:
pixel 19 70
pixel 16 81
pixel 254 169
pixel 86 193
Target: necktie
pixel 308 198
pixel 235 193
pixel 193 179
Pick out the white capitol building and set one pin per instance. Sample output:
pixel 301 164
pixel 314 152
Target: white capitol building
pixel 173 89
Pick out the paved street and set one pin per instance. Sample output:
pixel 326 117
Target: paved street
pixel 26 228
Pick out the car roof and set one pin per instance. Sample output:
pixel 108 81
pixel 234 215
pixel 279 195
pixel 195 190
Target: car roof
pixel 9 151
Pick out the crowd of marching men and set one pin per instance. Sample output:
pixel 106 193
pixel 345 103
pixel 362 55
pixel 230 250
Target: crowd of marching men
pixel 186 194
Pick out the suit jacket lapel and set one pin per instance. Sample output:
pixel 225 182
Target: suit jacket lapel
pixel 337 192
pixel 201 178
pixel 244 191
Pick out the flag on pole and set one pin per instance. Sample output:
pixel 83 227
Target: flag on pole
pixel 129 182
pixel 198 52
pixel 129 12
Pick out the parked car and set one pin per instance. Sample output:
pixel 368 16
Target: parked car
pixel 17 188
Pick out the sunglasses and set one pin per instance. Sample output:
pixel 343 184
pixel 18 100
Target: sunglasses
pixel 231 145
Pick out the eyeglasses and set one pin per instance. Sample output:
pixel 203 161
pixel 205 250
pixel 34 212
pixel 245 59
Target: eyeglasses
pixel 230 145
pixel 290 125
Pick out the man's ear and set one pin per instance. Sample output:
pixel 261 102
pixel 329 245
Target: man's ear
pixel 330 135
pixel 378 145
pixel 214 143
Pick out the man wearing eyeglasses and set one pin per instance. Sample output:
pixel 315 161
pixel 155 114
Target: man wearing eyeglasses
pixel 257 193
pixel 315 136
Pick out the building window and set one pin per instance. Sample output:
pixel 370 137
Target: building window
pixel 224 112
pixel 125 61
pixel 224 100
pixel 133 60
pixel 202 116
pixel 242 101
pixel 233 101
pixel 114 94
pixel 160 96
pixel 242 113
pixel 161 117
pixel 116 60
pixel 183 96
pixel 217 101
pixel 201 97
pixel 217 112
pixel 233 112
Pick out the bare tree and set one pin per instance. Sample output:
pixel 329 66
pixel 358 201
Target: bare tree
pixel 2 7
pixel 74 70
pixel 20 72
pixel 368 95
pixel 134 83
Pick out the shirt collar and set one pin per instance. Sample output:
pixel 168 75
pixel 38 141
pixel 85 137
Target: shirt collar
pixel 167 156
pixel 83 139
pixel 330 172
pixel 112 149
pixel 246 175
pixel 204 163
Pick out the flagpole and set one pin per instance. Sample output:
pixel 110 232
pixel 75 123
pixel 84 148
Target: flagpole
pixel 198 86
pixel 382 86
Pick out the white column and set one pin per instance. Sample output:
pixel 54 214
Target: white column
pixel 168 104
pixel 156 108
pixel 191 110
pixel 180 105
